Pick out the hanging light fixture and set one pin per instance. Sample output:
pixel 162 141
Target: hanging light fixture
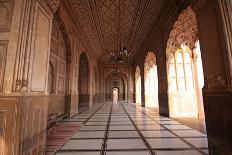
pixel 122 55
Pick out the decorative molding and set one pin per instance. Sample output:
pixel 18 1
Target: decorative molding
pixel 184 32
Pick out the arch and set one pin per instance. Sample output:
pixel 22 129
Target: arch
pixel 151 81
pixel 59 72
pixel 184 32
pixel 115 94
pixel 138 85
pixel 83 85
pixel 182 63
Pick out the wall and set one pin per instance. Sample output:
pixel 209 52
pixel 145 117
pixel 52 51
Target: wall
pixel 24 48
pixel 25 38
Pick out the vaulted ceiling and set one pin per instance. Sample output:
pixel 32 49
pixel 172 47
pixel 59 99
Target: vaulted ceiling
pixel 100 20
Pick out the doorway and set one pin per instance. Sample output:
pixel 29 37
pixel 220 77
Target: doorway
pixel 115 95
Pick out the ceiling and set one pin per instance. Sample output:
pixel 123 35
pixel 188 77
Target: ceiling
pixel 99 19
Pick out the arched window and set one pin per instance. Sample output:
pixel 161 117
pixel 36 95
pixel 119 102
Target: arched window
pixel 181 71
pixel 138 85
pixel 151 81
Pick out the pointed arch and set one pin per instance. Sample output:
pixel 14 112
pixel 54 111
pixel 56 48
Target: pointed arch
pixel 83 85
pixel 151 81
pixel 183 78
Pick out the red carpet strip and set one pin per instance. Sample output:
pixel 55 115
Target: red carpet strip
pixel 63 132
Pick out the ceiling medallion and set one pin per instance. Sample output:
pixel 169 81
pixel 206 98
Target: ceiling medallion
pixel 122 55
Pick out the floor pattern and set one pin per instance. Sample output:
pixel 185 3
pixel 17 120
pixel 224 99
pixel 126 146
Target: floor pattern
pixel 129 129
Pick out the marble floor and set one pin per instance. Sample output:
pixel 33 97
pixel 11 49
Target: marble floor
pixel 129 129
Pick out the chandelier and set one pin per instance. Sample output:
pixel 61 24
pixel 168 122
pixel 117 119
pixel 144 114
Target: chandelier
pixel 122 55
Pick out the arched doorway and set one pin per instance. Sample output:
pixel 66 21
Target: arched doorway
pixel 138 85
pixel 115 94
pixel 151 81
pixel 184 65
pixel 83 88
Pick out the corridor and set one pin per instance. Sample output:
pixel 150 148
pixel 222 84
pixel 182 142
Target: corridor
pixel 129 129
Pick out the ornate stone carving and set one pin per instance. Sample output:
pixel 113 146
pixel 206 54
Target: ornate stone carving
pixel 100 21
pixel 150 61
pixel 184 32
pixel 216 81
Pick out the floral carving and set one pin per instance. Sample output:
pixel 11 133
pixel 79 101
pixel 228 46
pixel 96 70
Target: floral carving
pixel 150 61
pixel 184 32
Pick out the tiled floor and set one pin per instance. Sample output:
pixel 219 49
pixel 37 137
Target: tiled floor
pixel 128 129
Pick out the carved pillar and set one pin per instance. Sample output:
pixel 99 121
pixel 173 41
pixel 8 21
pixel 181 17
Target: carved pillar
pixel 163 82
pixel 142 87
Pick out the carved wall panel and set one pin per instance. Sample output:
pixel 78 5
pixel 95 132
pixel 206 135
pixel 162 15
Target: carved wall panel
pixel 41 50
pixel 7 126
pixel 6 9
pixel 3 50
pixel 35 124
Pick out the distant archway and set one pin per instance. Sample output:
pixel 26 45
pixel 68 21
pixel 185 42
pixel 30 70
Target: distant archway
pixel 151 81
pixel 138 85
pixel 115 94
pixel 83 88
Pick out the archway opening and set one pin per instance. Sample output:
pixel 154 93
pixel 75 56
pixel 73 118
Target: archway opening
pixel 184 65
pixel 151 81
pixel 84 95
pixel 115 95
pixel 138 85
